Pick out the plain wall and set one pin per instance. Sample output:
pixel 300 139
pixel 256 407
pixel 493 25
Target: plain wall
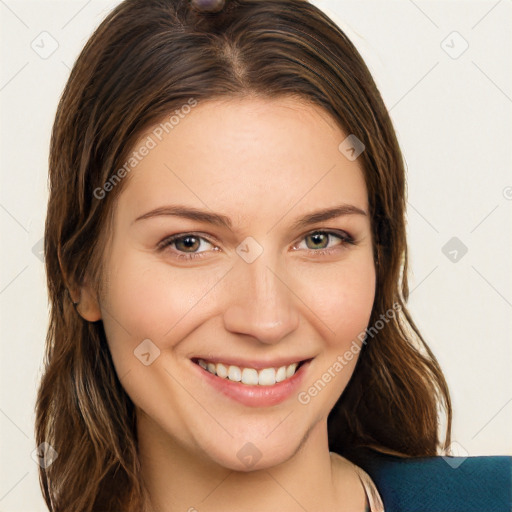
pixel 452 113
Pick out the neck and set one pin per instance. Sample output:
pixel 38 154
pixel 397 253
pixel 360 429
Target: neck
pixel 185 478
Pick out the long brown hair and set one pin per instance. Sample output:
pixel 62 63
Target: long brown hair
pixel 147 59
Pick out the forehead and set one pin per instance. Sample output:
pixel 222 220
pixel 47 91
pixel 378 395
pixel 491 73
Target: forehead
pixel 244 157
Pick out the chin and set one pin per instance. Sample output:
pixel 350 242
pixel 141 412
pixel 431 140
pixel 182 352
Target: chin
pixel 246 453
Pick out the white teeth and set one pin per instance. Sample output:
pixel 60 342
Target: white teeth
pixel 281 374
pixel 291 370
pixel 250 376
pixel 234 373
pixel 267 377
pixel 222 371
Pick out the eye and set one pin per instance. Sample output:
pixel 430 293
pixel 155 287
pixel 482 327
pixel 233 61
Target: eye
pixel 318 241
pixel 187 245
pixel 187 242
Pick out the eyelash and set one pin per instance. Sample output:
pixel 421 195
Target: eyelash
pixel 343 236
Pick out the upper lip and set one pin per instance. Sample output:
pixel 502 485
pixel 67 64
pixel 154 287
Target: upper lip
pixel 257 364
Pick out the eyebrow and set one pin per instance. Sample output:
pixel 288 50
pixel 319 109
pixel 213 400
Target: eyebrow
pixel 224 221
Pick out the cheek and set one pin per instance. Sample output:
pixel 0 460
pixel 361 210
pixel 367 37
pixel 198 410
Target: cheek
pixel 343 300
pixel 134 301
pixel 342 297
pixel 147 298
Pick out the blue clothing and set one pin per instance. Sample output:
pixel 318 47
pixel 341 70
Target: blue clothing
pixel 436 484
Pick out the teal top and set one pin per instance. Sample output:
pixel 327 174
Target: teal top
pixel 439 484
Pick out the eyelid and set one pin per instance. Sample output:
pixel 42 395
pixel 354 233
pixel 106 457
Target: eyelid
pixel 345 237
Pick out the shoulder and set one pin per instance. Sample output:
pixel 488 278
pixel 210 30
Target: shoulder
pixel 440 484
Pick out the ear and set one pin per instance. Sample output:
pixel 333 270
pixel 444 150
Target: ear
pixel 88 307
pixel 83 297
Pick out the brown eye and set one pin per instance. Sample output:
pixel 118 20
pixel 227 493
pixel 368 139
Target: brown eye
pixel 186 245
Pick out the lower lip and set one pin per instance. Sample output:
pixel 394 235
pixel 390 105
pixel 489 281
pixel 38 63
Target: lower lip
pixel 255 396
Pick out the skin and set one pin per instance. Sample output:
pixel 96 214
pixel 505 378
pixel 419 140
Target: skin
pixel 263 163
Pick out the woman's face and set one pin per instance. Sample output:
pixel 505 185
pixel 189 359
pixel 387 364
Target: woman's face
pixel 255 281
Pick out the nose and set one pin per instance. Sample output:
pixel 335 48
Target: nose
pixel 261 303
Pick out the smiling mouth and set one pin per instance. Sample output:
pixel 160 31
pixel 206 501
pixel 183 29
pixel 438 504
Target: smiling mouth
pixel 251 376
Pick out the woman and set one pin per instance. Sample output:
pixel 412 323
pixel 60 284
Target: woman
pixel 227 268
